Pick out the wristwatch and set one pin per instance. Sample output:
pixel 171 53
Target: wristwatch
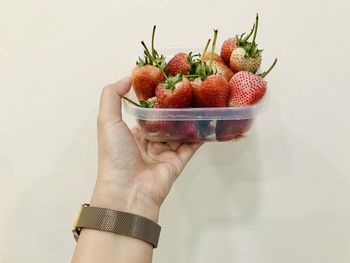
pixel 117 222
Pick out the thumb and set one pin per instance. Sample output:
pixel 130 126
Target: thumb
pixel 110 101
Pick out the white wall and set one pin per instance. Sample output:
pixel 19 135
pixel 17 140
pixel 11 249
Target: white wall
pixel 280 195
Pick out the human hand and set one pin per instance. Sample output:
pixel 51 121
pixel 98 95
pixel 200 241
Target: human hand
pixel 134 174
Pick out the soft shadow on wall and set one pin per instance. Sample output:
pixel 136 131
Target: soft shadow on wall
pixel 218 190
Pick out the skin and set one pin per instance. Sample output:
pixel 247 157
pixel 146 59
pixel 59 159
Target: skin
pixel 134 175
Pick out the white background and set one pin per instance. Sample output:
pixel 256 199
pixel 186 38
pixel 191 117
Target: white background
pixel 280 195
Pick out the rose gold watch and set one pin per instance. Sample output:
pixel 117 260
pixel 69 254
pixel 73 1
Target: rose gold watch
pixel 118 222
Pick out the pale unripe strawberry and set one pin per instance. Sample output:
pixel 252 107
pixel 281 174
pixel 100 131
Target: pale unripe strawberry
pixel 241 61
pixel 247 56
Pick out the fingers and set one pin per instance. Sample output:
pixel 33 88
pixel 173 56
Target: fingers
pixel 186 151
pixel 174 145
pixel 110 102
pixel 156 148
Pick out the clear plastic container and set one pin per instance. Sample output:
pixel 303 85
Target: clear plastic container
pixel 193 124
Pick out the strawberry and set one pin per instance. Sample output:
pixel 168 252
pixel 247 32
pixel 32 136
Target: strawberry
pixel 216 57
pixel 175 92
pixel 195 130
pixel 180 63
pixel 188 130
pixel 145 80
pixel 222 70
pixel 247 88
pixel 227 130
pixel 196 86
pixel 161 127
pixel 217 65
pixel 230 44
pixel 226 49
pixel 240 61
pixel 147 75
pixel 210 90
pixel 247 56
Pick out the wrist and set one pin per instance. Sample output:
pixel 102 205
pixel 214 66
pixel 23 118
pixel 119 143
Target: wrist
pixel 124 198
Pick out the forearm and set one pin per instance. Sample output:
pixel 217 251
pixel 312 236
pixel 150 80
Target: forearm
pixel 135 176
pixel 104 247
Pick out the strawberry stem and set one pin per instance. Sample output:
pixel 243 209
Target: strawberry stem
pixel 252 47
pixel 264 74
pixel 154 53
pixel 147 51
pixel 161 69
pixel 131 101
pixel 249 35
pixel 213 48
pixel 205 49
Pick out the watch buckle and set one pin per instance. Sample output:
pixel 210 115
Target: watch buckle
pixel 75 229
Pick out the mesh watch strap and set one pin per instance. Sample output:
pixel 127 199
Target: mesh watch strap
pixel 117 222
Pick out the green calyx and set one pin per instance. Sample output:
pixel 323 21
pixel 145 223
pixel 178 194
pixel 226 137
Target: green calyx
pixel 264 74
pixel 251 48
pixel 201 69
pixel 151 57
pixel 172 81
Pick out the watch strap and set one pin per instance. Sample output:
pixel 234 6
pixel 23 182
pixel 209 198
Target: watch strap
pixel 118 222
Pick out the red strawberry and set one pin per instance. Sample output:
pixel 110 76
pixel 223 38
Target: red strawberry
pixel 247 88
pixel 145 80
pixel 196 85
pixel 212 92
pixel 227 130
pixel 216 57
pixel 178 64
pixel 247 56
pixel 159 126
pixel 226 49
pixel 222 70
pixel 188 130
pixel 148 74
pixel 176 92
